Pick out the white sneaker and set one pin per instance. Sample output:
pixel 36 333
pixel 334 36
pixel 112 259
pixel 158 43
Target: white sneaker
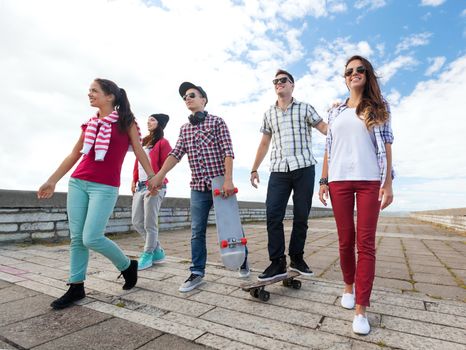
pixel 244 271
pixel 361 325
pixel 347 301
pixel 192 282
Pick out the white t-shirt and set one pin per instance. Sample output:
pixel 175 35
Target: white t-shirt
pixel 141 172
pixel 353 155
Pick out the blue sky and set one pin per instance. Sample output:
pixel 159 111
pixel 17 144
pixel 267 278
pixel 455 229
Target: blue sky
pixel 232 48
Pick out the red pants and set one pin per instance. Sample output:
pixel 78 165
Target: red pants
pixel 342 194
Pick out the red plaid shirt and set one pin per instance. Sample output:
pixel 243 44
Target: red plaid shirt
pixel 207 144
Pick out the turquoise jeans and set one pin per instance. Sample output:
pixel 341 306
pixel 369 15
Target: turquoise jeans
pixel 89 206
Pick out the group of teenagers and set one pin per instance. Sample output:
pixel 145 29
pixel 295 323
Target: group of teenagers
pixel 357 169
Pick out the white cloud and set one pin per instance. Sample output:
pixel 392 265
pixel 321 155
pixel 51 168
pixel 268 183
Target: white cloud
pixel 337 6
pixel 393 97
pixel 433 3
pixel 435 64
pixel 369 4
pixel 413 40
pixel 429 127
pixel 388 70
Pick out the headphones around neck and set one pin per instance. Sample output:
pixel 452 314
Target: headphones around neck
pixel 197 118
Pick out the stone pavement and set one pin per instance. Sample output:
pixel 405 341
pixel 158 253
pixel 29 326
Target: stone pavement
pixel 418 301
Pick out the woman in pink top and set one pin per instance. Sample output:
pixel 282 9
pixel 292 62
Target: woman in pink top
pixel 145 213
pixel 93 186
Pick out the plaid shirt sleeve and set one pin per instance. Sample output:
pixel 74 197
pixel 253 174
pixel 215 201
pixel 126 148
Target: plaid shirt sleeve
pixel 312 116
pixel 179 150
pixel 224 139
pixel 265 128
pixel 386 129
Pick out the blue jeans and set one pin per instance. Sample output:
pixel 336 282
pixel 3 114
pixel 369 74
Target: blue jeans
pixel 201 202
pixel 89 206
pixel 301 182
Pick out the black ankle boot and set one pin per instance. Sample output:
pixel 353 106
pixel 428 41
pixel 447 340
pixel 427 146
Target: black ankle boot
pixel 275 270
pixel 299 265
pixel 74 293
pixel 130 275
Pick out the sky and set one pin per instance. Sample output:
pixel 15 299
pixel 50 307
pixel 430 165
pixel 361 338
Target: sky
pixel 51 51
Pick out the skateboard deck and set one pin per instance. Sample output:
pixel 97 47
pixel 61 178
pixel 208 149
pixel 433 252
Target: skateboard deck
pixel 229 230
pixel 257 288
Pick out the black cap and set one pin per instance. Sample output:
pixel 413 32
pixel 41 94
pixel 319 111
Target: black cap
pixel 187 85
pixel 162 119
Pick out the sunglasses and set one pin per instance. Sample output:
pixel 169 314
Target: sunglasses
pixel 360 70
pixel 280 80
pixel 190 95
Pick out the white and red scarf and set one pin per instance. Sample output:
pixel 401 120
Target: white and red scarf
pixel 101 139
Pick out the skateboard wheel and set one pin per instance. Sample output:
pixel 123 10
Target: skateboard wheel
pixel 235 190
pixel 296 284
pixel 224 244
pixel 244 241
pixel 217 192
pixel 286 283
pixel 264 295
pixel 254 293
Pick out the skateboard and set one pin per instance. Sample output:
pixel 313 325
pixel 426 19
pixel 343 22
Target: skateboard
pixel 229 230
pixel 257 289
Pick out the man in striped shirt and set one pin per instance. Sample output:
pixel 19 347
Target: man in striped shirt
pixel 288 126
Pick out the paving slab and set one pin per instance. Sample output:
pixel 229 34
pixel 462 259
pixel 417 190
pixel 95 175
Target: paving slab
pixel 168 341
pixel 50 325
pixel 24 308
pixel 110 334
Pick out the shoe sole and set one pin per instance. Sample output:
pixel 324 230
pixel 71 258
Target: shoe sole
pixel 158 261
pixel 140 268
pixel 271 278
pixel 61 307
pixel 245 275
pixel 188 289
pixel 302 273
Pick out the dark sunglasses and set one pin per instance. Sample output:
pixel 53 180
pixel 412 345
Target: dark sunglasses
pixel 190 95
pixel 280 80
pixel 360 70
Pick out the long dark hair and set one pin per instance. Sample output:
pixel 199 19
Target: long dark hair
pixel 371 108
pixel 120 103
pixel 153 137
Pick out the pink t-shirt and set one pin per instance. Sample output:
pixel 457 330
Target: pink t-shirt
pixel 108 171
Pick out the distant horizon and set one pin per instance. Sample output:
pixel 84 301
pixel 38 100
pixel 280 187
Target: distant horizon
pixel 385 212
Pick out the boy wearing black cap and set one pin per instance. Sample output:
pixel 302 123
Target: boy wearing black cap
pixel 207 142
pixel 145 209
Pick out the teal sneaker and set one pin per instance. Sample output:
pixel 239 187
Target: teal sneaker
pixel 158 256
pixel 145 261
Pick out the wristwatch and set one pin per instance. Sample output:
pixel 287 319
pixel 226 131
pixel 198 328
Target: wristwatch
pixel 323 181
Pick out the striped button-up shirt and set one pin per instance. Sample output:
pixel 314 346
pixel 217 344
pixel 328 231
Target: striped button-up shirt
pixel 383 134
pixel 291 132
pixel 207 144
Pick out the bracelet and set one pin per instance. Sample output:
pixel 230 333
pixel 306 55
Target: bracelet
pixel 323 181
pixel 150 176
pixel 254 171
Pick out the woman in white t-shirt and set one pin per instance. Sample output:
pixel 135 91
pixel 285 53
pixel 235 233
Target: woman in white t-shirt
pixel 357 159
